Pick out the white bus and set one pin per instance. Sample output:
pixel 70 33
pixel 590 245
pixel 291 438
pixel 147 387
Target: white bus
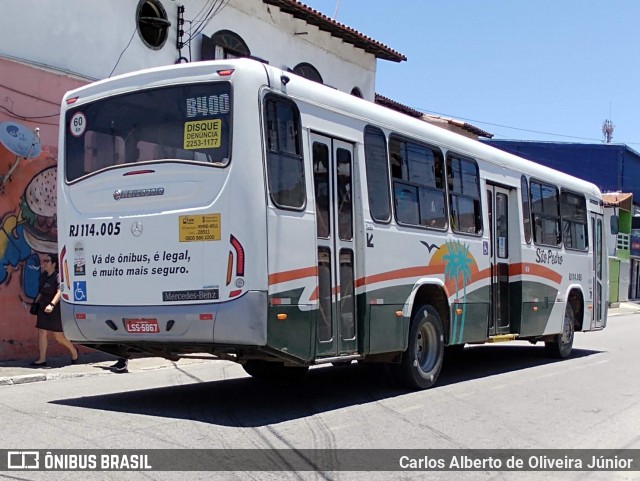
pixel 236 209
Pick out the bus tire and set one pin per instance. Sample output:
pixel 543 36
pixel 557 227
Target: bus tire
pixel 422 361
pixel 562 344
pixel 272 371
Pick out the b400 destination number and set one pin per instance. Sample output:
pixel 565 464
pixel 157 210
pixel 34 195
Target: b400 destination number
pixel 88 230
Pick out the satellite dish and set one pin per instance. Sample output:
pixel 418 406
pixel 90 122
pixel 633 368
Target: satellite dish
pixel 19 140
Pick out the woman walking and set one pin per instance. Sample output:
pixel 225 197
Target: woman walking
pixel 48 316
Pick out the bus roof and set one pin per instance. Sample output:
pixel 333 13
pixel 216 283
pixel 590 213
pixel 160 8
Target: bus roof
pixel 404 124
pixel 335 100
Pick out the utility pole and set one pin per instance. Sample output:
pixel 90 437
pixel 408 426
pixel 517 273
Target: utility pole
pixel 607 131
pixel 607 128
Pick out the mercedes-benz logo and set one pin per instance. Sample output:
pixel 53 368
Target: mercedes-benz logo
pixel 117 194
pixel 136 228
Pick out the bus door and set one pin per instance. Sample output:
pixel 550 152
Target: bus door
pixel 499 252
pixel 332 162
pixel 598 300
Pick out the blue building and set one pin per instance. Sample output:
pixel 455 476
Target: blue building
pixel 612 167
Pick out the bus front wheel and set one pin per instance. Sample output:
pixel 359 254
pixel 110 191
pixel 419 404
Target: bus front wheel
pixel 422 361
pixel 562 344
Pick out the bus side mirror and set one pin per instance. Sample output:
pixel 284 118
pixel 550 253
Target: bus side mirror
pixel 615 228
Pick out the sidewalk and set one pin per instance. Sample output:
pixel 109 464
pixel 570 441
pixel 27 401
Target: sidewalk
pixel 629 307
pixel 97 363
pixel 91 364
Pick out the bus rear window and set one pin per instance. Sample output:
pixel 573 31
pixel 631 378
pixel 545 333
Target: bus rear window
pixel 187 122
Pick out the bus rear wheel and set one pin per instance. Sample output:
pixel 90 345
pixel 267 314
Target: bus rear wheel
pixel 562 344
pixel 272 371
pixel 422 361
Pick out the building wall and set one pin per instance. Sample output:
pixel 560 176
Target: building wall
pixel 612 167
pixel 292 41
pixel 614 280
pixel 624 223
pixel 72 42
pixel 630 174
pixel 30 97
pixel 92 37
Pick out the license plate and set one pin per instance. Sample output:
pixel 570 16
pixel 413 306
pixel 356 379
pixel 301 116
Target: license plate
pixel 141 326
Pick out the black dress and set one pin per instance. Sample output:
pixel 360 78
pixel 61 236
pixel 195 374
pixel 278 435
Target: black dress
pixel 48 288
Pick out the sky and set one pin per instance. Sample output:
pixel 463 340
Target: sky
pixel 547 70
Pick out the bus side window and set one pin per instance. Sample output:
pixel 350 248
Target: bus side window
pixel 345 201
pixel 573 208
pixel 546 213
pixel 418 183
pixel 464 195
pixel 320 153
pixel 526 209
pixel 285 168
pixel 375 153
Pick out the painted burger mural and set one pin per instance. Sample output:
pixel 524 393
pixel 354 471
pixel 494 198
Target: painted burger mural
pixel 38 212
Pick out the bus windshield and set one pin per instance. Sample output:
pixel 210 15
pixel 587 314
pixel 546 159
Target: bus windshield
pixel 189 122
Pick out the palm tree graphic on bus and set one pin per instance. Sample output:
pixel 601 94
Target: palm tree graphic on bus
pixel 458 263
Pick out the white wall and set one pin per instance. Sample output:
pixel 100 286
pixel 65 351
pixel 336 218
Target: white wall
pixel 271 34
pixel 87 37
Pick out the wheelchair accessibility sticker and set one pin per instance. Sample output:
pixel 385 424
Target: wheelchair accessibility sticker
pixel 80 291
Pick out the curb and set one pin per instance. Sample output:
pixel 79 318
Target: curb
pixel 30 378
pixel 6 381
pixel 623 312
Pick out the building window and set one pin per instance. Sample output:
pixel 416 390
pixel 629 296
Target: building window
pixel 356 92
pixel 227 44
pixel 308 71
pixel 153 25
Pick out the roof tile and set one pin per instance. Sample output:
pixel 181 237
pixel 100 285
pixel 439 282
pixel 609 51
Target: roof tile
pixel 337 29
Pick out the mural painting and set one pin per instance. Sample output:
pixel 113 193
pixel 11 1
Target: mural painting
pixel 29 226
pixel 459 268
pixel 29 113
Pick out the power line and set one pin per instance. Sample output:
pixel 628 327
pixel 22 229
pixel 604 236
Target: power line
pixel 204 7
pixel 122 53
pixel 506 126
pixel 26 117
pixel 517 128
pixel 215 7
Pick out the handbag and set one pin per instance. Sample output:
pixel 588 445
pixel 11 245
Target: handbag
pixel 35 307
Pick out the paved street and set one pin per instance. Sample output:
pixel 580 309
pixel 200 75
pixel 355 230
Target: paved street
pixel 506 396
